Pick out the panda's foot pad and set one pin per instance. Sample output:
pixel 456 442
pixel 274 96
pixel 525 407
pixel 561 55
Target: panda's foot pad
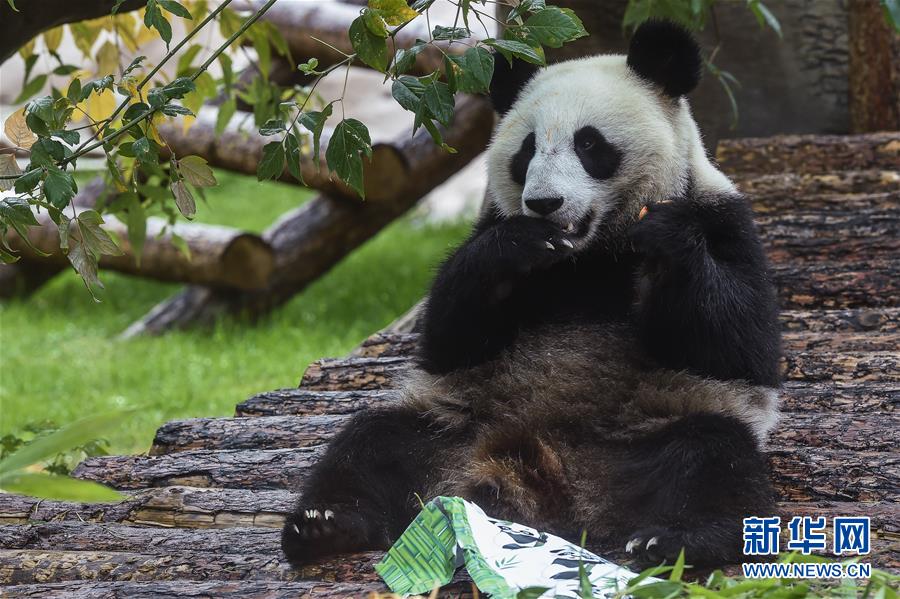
pixel 314 532
pixel 653 546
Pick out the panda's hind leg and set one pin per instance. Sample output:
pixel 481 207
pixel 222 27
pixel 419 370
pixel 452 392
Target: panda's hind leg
pixel 361 493
pixel 689 486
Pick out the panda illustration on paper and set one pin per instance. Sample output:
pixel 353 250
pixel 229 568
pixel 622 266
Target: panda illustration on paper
pixel 601 354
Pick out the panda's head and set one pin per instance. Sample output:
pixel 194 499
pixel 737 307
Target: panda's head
pixel 587 142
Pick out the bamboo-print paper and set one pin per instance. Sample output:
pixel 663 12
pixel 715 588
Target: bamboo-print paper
pixel 501 557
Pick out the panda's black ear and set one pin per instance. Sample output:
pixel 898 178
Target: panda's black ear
pixel 666 54
pixel 508 81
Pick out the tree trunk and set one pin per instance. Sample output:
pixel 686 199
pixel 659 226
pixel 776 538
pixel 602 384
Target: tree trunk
pixel 874 68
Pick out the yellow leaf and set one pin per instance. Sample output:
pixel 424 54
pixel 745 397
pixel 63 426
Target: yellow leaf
pixel 125 25
pixel 107 59
pixel 100 106
pixel 158 119
pixel 129 84
pixel 53 38
pixel 17 130
pixel 27 50
pixel 394 12
pixel 187 121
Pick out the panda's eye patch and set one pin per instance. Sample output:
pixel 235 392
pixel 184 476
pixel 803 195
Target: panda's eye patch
pixel 519 165
pixel 598 157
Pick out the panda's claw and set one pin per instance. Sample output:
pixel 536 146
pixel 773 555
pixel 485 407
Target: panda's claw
pixel 549 245
pixel 653 541
pixel 632 544
pixel 568 244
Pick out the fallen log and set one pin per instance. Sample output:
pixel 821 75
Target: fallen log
pixel 788 202
pixel 183 507
pixel 310 240
pixel 813 474
pixel 784 190
pixel 353 373
pixel 218 256
pixel 862 284
pixel 235 589
pixel 240 150
pixel 865 432
pixel 304 402
pixel 854 320
pixel 825 474
pixel 828 396
pixel 387 345
pixel 831 237
pixel 809 154
pixel 301 24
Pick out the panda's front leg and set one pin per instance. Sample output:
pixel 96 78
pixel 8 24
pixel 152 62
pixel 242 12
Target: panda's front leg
pixel 474 307
pixel 705 301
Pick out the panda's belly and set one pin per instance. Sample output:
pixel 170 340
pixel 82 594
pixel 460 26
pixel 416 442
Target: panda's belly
pixel 595 375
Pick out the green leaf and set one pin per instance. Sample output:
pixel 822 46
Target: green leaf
pixel 154 19
pixel 293 156
pixel 450 33
pixel 348 143
pixel 59 187
pixel 510 48
pixel 475 69
pixel 196 171
pixel 374 23
pixel 176 110
pixel 370 48
pixel 187 59
pixel 179 88
pixel 136 110
pixel 184 199
pixel 531 592
pixel 98 240
pixel 74 91
pixel 272 163
pixel 272 127
pixel 77 433
pixel 439 100
pixel 394 12
pixel 408 92
pixel 314 121
pixel 226 111
pixel 70 137
pixel 406 57
pixel 12 5
pixel 31 88
pixel 678 569
pixel 552 27
pixel 29 180
pixel 133 65
pixel 765 16
pixel 60 488
pixel 145 151
pixel 176 9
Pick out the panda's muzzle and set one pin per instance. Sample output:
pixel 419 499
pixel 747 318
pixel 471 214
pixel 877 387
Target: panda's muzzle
pixel 544 206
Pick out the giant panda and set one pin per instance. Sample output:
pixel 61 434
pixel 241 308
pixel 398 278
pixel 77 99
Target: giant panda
pixel 601 354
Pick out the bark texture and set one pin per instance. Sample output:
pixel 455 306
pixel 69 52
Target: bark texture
pixel 874 68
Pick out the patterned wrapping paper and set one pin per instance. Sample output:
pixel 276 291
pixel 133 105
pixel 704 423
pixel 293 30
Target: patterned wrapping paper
pixel 501 557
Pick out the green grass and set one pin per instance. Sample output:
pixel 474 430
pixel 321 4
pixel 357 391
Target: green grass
pixel 60 359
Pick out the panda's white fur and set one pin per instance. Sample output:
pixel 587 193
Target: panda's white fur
pixel 662 147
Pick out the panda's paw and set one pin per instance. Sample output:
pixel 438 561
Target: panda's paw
pixel 528 243
pixel 668 230
pixel 653 546
pixel 311 533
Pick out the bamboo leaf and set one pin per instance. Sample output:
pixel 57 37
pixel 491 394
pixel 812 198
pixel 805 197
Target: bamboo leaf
pixel 60 488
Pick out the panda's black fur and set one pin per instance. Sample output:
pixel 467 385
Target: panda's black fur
pixel 618 388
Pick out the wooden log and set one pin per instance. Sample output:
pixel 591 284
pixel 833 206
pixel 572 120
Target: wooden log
pixel 178 589
pixel 864 432
pixel 387 345
pixel 790 202
pixel 30 566
pixel 303 402
pixel 183 507
pixel 809 154
pixel 856 320
pixel 874 72
pixel 313 238
pixel 858 284
pixel 219 256
pixel 353 373
pixel 792 186
pixel 832 237
pixel 812 474
pixel 301 23
pixel 240 150
pixel 827 396
pixel 825 474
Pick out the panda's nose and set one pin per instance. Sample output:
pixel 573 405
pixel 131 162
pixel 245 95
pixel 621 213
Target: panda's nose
pixel 544 206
